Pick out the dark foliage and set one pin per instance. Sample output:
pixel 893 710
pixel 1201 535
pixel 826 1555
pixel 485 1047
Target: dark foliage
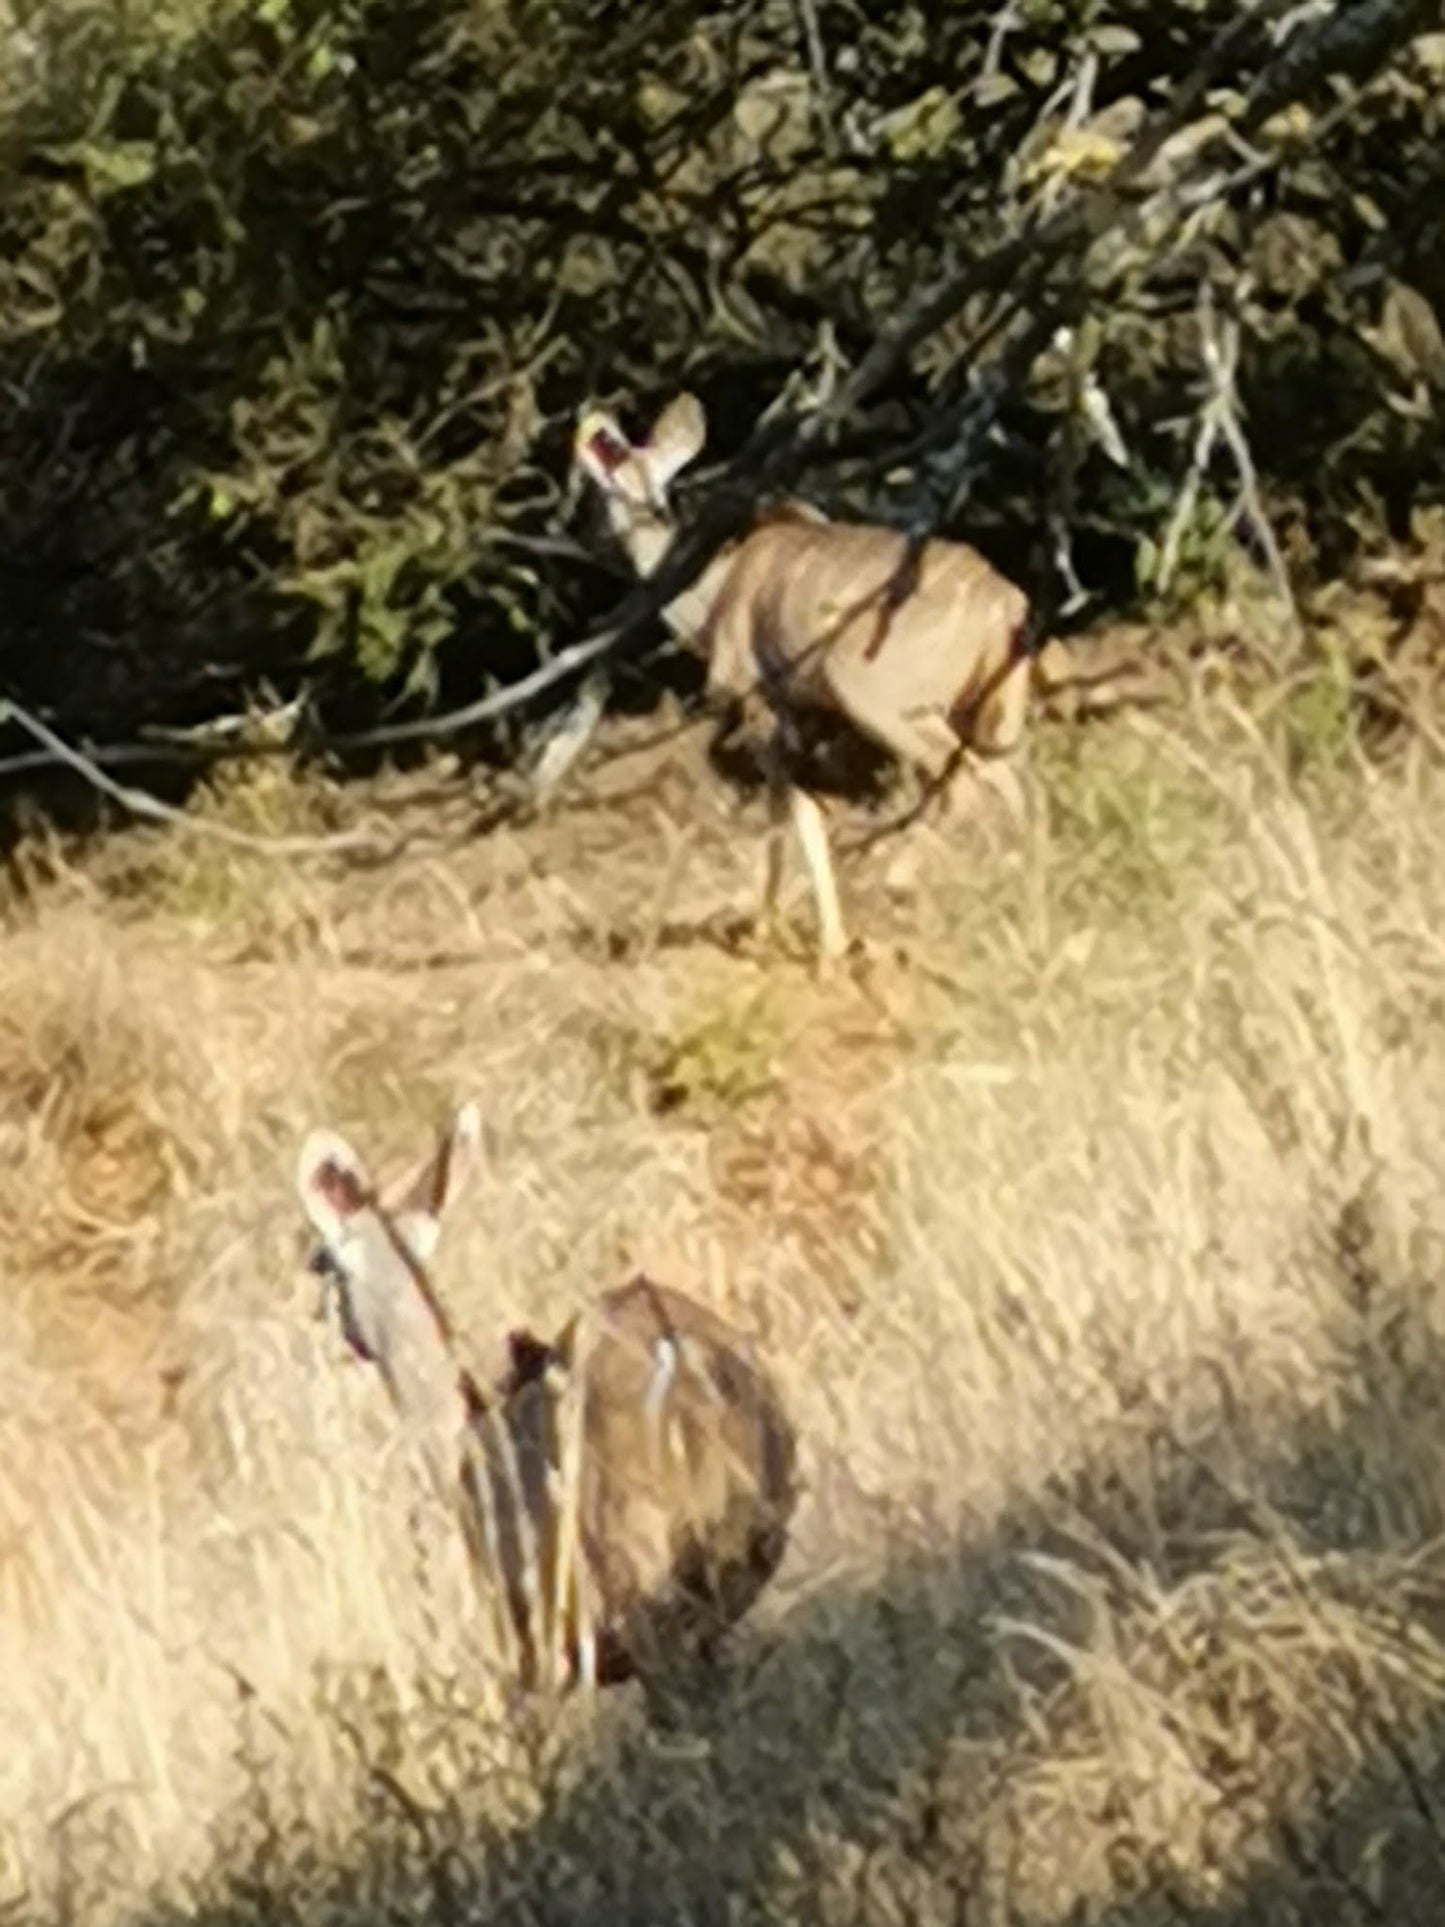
pixel 298 301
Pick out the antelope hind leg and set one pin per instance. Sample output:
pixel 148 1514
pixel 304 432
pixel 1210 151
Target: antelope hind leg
pixel 927 745
pixel 963 795
pixel 773 860
pixel 979 778
pixel 1002 776
pixel 933 752
pixel 775 764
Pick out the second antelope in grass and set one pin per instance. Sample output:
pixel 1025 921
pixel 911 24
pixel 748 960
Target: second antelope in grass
pixel 625 1489
pixel 926 648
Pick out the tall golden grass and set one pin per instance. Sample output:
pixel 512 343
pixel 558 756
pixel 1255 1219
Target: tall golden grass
pixel 1094 1230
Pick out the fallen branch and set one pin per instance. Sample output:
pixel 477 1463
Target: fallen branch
pixel 141 803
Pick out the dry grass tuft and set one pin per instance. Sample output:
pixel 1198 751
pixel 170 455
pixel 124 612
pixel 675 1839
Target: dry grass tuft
pixel 1095 1231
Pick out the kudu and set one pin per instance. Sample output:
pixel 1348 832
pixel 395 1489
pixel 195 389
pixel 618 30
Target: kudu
pixel 926 648
pixel 624 1490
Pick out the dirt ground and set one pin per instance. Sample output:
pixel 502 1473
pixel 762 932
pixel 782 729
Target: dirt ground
pixel 1089 1216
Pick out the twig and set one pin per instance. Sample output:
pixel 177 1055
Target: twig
pixel 1350 39
pixel 1004 22
pixel 818 66
pixel 118 755
pixel 564 745
pixel 1219 421
pixel 140 803
pixel 635 611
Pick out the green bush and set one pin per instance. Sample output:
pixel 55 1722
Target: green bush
pixel 298 300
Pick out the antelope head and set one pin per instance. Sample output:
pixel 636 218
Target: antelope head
pixel 620 1483
pixel 374 1256
pixel 489 1453
pixel 634 477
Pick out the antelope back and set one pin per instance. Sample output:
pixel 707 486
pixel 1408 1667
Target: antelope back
pixel 852 615
pixel 632 1485
pixel 687 1468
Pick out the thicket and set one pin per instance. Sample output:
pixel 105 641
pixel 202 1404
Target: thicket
pixel 299 298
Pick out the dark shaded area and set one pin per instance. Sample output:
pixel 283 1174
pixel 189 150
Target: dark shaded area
pixel 294 321
pixel 839 1768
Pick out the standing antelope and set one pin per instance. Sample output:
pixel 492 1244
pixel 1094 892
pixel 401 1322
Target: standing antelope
pixel 926 650
pixel 623 1489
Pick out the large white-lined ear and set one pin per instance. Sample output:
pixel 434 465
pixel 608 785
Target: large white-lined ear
pixel 640 471
pixel 602 451
pixel 677 438
pixel 334 1184
pixel 417 1218
pixel 388 1311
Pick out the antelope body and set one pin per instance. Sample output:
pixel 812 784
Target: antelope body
pixel 925 648
pixel 623 1490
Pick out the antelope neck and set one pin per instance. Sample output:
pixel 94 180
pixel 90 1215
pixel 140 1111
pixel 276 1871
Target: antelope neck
pixel 417 1272
pixel 647 543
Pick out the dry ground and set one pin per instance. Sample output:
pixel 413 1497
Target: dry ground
pixel 1094 1226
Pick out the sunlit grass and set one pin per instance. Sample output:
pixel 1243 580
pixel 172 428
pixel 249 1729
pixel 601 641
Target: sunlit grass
pixel 1095 1240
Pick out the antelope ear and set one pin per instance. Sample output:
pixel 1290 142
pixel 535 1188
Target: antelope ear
pixel 564 1345
pixel 333 1183
pixel 677 438
pixel 418 1215
pixel 601 450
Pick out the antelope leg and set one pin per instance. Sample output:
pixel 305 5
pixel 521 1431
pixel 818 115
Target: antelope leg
pixel 813 837
pixel 775 764
pixel 1003 779
pixel 567 1588
pixel 977 774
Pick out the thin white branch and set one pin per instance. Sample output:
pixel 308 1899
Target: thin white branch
pixel 1005 22
pixel 818 69
pixel 1220 421
pixel 141 803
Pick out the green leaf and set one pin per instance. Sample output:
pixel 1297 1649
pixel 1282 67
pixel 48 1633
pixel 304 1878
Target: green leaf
pixel 1112 39
pixel 110 167
pixel 994 88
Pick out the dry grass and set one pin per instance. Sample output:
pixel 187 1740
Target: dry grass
pixel 1095 1231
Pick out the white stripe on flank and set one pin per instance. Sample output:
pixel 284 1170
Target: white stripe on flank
pixel 568 1576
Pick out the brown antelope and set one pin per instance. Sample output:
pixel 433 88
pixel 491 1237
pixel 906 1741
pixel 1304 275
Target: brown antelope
pixel 926 650
pixel 624 1489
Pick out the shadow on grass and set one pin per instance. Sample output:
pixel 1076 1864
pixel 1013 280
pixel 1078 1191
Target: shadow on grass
pixel 853 1761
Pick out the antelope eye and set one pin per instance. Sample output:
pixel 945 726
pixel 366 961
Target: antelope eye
pixel 322 1264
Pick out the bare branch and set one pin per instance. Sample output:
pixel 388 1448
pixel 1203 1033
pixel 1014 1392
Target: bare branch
pixel 140 803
